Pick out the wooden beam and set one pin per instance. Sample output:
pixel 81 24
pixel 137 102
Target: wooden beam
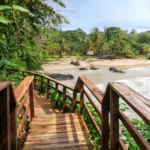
pixel 114 121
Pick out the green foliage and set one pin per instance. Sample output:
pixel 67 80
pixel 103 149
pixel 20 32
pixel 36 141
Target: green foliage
pixel 56 99
pixel 16 7
pixel 22 26
pixel 148 56
pixel 32 61
pixel 78 57
pixel 54 58
pixel 141 126
pixel 4 20
pixel 113 40
pixel 93 133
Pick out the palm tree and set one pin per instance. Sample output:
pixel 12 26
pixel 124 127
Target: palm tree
pixel 94 34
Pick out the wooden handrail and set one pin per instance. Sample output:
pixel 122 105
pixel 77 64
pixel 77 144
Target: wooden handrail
pixel 7 117
pixel 22 88
pixel 107 107
pixel 12 103
pixel 24 95
pixel 98 94
pixel 47 84
pixel 137 102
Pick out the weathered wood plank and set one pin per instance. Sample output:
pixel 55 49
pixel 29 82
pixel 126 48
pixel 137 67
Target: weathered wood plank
pixel 63 141
pixel 81 99
pixel 23 121
pixel 114 121
pixel 105 119
pixel 80 135
pixel 54 116
pixel 56 122
pixel 56 126
pixel 62 147
pixel 57 131
pixel 22 103
pixel 143 144
pixel 97 108
pixel 122 146
pixel 136 101
pixel 93 120
pixel 91 86
pixel 22 88
pixel 31 96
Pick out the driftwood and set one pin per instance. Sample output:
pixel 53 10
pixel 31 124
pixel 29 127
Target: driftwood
pixel 112 56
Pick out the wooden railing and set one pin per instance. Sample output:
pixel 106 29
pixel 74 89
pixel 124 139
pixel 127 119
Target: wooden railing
pixel 12 104
pixel 45 84
pixel 106 106
pixel 137 102
pixel 25 101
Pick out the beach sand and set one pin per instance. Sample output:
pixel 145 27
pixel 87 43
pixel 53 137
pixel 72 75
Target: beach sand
pixel 65 63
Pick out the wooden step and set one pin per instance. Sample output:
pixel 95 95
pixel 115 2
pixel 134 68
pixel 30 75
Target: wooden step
pixel 70 146
pixel 51 130
pixel 74 135
pixel 58 116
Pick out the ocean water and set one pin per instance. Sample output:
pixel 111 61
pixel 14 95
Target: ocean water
pixel 138 78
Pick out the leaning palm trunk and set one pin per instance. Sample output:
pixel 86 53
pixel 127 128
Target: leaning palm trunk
pixel 39 44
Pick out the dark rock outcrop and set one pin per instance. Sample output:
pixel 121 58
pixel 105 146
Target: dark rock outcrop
pixel 120 71
pixel 83 69
pixel 72 62
pixel 93 68
pixel 76 63
pixel 59 76
pixel 113 69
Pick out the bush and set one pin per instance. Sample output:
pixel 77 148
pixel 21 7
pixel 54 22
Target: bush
pixel 148 56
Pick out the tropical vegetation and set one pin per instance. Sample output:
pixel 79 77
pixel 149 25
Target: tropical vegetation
pixel 113 40
pixel 22 26
pixel 30 33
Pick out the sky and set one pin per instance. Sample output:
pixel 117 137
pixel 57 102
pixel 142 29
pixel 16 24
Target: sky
pixel 87 14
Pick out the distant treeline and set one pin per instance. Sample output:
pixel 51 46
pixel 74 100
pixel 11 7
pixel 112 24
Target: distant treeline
pixel 113 40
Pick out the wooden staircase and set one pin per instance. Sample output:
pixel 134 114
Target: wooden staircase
pixel 51 130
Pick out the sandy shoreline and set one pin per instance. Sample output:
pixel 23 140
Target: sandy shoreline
pixel 65 63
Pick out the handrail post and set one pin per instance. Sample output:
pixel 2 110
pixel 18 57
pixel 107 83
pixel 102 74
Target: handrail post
pixel 5 123
pixel 56 86
pixel 8 137
pixel 41 89
pixel 34 81
pixel 64 99
pixel 81 98
pixel 105 121
pixel 114 121
pixel 31 101
pixel 74 101
pixel 48 88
